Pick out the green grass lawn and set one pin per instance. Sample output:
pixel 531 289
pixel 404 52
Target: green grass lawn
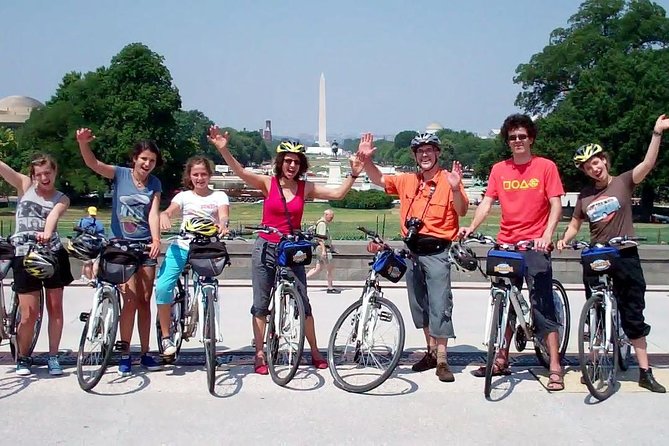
pixel 345 223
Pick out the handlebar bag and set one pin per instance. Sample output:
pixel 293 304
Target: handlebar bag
pixel 6 250
pixel 294 253
pixel 118 264
pixel 208 258
pixel 390 266
pixel 501 263
pixel 599 260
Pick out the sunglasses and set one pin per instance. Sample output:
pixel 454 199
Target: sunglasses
pixel 291 161
pixel 517 137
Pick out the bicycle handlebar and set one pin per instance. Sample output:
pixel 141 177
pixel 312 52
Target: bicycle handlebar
pixel 523 245
pixel 615 241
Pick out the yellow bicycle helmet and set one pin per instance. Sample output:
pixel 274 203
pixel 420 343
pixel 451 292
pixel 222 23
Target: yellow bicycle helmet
pixel 40 264
pixel 201 226
pixel 585 152
pixel 290 146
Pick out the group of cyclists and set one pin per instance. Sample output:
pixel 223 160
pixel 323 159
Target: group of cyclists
pixel 432 200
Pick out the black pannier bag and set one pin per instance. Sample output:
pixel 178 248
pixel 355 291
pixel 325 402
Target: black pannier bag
pixel 208 258
pixel 117 264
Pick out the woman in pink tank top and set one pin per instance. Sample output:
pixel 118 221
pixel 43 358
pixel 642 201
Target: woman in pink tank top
pixel 290 165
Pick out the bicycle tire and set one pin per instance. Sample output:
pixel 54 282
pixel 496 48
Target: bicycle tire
pixel 360 359
pixel 600 378
pixel 15 318
pixel 564 321
pixel 108 339
pixel 290 302
pixel 492 340
pixel 209 335
pixel 624 353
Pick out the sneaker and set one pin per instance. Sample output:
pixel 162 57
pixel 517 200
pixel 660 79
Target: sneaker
pixel 647 381
pixel 23 366
pixel 428 362
pixel 125 366
pixel 54 366
pixel 444 373
pixel 169 348
pixel 149 363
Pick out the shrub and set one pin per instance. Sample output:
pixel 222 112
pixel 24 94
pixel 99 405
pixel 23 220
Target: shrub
pixel 370 199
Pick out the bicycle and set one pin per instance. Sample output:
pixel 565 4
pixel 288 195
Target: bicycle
pixel 504 266
pixel 360 358
pixel 12 319
pixel 118 262
pixel 206 260
pixel 603 347
pixel 284 337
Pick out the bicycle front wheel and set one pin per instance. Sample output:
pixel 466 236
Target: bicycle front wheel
pixel 15 320
pixel 285 336
pixel 361 364
pixel 493 347
pixel 97 343
pixel 209 336
pixel 563 316
pixel 597 355
pixel 176 331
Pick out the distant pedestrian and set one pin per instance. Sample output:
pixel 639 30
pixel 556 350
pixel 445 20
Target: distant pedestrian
pixel 325 250
pixel 93 226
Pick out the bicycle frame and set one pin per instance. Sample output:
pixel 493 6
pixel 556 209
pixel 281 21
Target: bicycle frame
pixel 604 290
pixel 372 289
pixel 100 290
pixel 200 284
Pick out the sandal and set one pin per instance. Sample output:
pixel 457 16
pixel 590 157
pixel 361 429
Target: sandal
pixel 555 384
pixel 498 369
pixel 260 366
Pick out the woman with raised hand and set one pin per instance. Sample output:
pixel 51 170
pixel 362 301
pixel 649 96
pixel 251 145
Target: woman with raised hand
pixel 285 192
pixel 135 216
pixel 38 210
pixel 198 201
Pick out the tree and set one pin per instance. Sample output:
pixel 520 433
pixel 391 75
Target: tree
pixel 7 146
pixel 602 79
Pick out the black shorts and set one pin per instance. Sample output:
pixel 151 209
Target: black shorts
pixel 25 283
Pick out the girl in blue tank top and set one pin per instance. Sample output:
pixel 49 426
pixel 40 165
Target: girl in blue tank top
pixel 135 216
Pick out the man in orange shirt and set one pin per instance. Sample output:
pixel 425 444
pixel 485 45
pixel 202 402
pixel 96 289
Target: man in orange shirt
pixel 431 202
pixel 528 188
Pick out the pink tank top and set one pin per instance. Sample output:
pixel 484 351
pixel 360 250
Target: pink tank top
pixel 274 214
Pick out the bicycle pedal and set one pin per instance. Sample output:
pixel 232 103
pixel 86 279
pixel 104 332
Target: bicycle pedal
pixel 386 316
pixel 83 317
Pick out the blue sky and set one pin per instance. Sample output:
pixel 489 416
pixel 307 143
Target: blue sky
pixel 389 65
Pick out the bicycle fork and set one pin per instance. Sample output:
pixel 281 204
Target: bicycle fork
pixel 200 292
pixel 504 318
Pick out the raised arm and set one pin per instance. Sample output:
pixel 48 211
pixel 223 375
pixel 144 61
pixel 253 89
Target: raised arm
pixel 84 138
pixel 366 151
pixel 327 193
pixel 252 179
pixel 644 167
pixel 16 179
pixel 454 178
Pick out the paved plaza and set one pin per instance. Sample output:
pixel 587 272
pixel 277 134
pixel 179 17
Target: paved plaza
pixel 174 407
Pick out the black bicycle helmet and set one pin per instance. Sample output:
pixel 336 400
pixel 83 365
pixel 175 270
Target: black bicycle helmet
pixel 463 257
pixel 423 139
pixel 85 246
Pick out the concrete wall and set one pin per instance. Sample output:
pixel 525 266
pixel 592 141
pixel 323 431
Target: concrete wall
pixel 352 263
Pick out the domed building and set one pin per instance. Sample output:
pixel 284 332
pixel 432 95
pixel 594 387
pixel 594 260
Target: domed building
pixel 433 127
pixel 15 110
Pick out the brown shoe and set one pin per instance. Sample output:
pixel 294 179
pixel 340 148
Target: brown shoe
pixel 444 373
pixel 428 362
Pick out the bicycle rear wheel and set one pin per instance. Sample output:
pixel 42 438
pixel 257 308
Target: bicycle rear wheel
pixel 495 322
pixel 15 320
pixel 285 336
pixel 598 357
pixel 360 365
pixel 95 351
pixel 563 316
pixel 209 335
pixel 624 349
